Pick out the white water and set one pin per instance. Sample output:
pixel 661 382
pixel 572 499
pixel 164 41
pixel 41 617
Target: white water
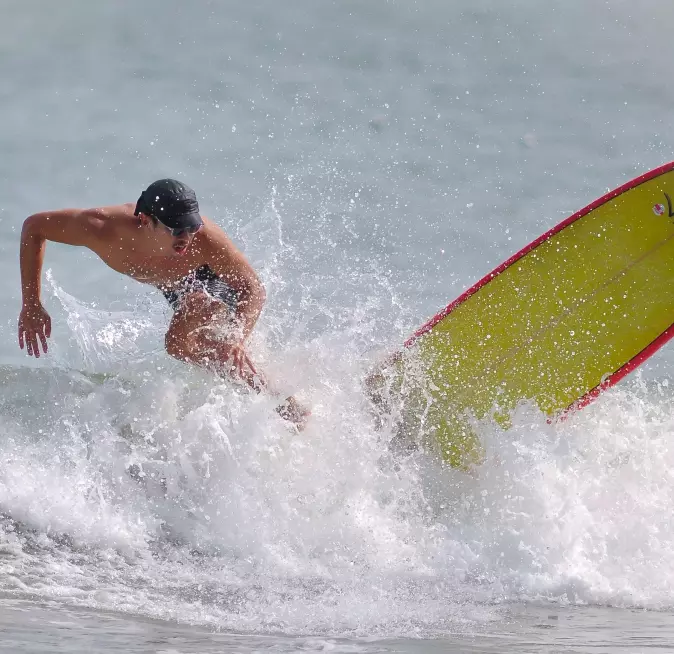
pixel 372 160
pixel 156 491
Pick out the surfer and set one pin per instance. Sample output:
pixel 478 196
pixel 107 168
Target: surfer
pixel 164 241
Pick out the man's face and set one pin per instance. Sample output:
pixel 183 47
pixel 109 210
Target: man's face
pixel 180 239
pixel 169 242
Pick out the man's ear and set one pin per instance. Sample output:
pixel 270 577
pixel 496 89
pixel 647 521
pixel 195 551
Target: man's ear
pixel 145 220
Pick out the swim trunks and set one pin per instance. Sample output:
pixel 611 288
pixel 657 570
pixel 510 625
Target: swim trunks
pixel 202 279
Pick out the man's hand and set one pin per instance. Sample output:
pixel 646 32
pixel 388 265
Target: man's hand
pixel 233 359
pixel 34 324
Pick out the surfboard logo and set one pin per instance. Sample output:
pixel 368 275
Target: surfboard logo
pixel 670 209
pixel 659 209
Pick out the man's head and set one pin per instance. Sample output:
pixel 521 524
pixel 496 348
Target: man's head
pixel 174 206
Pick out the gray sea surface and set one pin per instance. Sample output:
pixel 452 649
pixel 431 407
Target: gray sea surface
pixel 372 159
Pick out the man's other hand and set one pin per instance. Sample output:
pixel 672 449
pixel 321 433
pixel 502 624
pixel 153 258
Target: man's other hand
pixel 34 328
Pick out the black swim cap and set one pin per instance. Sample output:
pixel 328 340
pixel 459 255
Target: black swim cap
pixel 171 202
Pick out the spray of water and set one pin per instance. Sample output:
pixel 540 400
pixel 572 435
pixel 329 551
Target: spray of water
pixel 131 482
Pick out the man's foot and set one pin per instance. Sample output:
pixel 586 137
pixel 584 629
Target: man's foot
pixel 294 412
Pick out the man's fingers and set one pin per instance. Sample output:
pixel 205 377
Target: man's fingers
pixel 238 362
pixel 250 365
pixel 29 335
pixel 43 340
pixel 29 338
pixel 34 346
pixel 233 359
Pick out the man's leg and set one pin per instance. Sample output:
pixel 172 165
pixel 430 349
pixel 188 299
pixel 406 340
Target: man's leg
pixel 196 331
pixel 193 337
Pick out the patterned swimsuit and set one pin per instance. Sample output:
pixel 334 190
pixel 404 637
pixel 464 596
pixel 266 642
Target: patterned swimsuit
pixel 202 279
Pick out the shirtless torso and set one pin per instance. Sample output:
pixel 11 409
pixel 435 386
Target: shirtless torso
pixel 208 256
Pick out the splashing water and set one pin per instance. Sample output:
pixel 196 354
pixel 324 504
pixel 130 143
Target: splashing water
pixel 131 482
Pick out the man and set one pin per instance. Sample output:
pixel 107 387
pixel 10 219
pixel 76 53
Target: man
pixel 163 241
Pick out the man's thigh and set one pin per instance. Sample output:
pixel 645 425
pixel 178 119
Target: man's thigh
pixel 198 310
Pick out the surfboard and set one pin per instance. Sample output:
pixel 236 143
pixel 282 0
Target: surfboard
pixel 560 321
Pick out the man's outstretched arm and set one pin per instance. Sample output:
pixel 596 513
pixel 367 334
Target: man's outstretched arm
pixel 233 267
pixel 71 226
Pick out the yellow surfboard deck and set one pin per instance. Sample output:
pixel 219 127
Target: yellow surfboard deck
pixel 566 317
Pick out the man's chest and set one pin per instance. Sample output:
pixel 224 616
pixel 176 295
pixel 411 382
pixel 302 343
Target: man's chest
pixel 158 271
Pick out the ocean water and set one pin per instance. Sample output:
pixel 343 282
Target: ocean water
pixel 372 159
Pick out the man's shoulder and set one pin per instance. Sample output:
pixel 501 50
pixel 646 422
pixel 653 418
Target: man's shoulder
pixel 111 212
pixel 108 220
pixel 213 236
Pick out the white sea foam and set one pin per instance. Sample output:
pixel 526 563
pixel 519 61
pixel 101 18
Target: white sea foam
pixel 156 490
